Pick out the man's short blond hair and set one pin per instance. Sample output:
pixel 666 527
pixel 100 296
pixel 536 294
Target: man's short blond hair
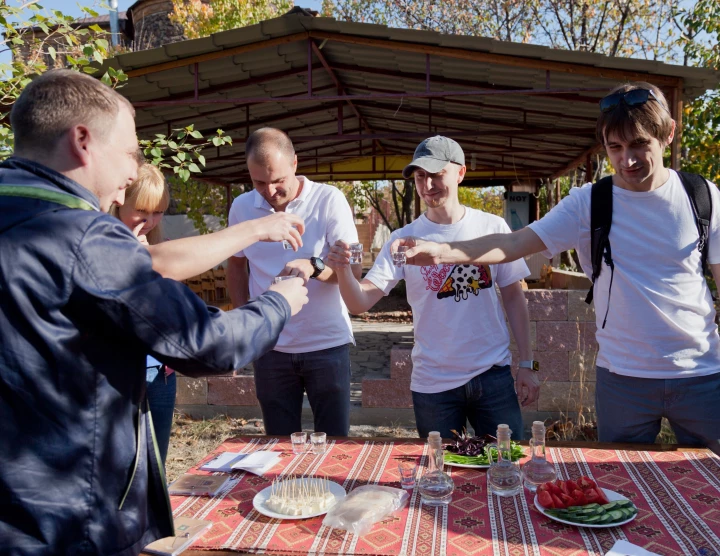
pixel 651 119
pixel 57 100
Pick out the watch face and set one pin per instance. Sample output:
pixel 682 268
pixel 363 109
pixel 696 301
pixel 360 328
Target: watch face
pixel 319 264
pixel 535 366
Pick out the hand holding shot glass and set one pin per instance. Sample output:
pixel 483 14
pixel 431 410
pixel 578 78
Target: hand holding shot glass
pixel 344 254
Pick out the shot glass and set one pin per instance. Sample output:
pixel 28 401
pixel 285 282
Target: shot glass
pixel 279 279
pixel 407 469
pixel 298 440
pixel 399 255
pixel 356 253
pixel 286 244
pixel 319 442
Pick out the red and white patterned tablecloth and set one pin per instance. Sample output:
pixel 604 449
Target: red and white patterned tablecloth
pixel 677 495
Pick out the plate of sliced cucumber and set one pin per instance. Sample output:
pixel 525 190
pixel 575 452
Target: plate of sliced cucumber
pixel 618 511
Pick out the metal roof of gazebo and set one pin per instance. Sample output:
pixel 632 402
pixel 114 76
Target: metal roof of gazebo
pixel 357 98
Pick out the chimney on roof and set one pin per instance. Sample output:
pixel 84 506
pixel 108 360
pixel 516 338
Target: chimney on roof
pixel 297 10
pixel 114 23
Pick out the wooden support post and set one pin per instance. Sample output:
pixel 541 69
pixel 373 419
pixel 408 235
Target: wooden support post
pixel 309 65
pixel 588 169
pixel 676 111
pixel 416 212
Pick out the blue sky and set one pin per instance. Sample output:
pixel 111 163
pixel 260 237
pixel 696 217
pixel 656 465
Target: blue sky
pixel 70 7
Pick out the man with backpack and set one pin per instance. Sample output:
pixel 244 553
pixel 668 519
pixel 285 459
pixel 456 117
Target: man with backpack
pixel 644 236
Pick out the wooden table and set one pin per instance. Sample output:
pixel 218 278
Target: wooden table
pixel 676 489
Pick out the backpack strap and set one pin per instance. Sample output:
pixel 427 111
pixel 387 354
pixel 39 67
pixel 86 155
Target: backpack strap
pixel 601 206
pixel 698 190
pixel 58 197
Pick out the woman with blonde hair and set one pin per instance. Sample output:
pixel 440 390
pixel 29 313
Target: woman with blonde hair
pixel 146 200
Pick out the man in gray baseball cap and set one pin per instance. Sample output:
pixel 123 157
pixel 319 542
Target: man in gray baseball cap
pixel 461 358
pixel 433 154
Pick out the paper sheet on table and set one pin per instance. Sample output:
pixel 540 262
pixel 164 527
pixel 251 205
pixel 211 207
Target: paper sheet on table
pixel 257 462
pixel 624 548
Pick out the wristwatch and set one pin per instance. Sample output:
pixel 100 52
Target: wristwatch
pixel 318 264
pixel 532 365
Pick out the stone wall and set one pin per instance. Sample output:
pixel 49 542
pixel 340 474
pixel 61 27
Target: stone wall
pixel 562 329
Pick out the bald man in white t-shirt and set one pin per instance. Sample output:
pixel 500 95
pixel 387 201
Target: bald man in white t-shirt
pixel 312 354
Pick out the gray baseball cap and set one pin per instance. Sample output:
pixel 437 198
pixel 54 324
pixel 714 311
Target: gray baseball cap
pixel 433 154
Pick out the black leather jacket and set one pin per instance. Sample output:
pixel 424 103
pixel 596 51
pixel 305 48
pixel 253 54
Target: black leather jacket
pixel 80 308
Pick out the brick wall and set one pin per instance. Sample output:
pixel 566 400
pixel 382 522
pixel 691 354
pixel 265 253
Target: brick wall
pixel 562 331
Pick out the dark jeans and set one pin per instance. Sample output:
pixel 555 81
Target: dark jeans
pixel 486 401
pixel 629 409
pixel 281 379
pixel 161 398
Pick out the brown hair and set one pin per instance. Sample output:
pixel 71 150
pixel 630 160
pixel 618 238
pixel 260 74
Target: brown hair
pixel 150 193
pixel 56 101
pixel 627 122
pixel 265 140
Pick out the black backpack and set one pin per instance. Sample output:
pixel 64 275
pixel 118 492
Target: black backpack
pixel 601 203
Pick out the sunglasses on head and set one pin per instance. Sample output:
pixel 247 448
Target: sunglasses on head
pixel 635 97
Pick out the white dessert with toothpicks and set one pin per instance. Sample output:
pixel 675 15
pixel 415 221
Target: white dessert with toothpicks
pixel 300 496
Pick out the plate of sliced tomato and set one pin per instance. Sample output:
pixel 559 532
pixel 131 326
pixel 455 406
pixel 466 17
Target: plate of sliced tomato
pixel 582 503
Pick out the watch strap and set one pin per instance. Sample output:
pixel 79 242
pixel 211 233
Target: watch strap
pixel 317 269
pixel 529 364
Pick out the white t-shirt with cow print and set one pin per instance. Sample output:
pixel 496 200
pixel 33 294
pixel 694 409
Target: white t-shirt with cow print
pixel 460 328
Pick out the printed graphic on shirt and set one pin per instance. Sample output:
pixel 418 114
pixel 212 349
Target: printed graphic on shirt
pixel 456 281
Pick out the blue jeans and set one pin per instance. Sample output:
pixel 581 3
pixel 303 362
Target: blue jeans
pixel 281 379
pixel 629 409
pixel 161 398
pixel 488 400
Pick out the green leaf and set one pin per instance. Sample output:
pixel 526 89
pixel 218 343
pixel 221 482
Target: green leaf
pixel 106 79
pixel 173 145
pixel 181 156
pixel 98 57
pixel 95 27
pixel 52 52
pixel 196 135
pixel 194 167
pixel 217 141
pixel 90 70
pixel 156 152
pixel 201 159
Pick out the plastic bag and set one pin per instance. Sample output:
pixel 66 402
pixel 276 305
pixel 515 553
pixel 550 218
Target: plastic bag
pixel 365 506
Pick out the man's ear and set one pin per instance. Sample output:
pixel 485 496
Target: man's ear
pixel 461 173
pixel 78 139
pixel 672 134
pixel 294 163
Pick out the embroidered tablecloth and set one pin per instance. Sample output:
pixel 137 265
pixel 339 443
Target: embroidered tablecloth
pixel 677 495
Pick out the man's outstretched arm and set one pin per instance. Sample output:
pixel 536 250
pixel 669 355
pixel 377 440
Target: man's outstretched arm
pixel 491 249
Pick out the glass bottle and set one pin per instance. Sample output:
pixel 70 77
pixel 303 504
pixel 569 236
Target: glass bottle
pixel 537 470
pixel 435 486
pixel 503 476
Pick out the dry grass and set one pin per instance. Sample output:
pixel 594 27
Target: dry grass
pixel 193 439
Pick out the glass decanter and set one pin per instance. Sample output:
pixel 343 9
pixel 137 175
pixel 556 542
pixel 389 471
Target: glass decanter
pixel 435 486
pixel 503 476
pixel 537 470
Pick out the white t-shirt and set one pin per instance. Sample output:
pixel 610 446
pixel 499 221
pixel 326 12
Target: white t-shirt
pixel 459 324
pixel 324 322
pixel 661 318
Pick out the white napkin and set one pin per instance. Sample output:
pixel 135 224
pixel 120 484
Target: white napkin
pixel 624 548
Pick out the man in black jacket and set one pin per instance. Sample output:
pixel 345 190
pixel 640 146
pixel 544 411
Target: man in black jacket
pixel 80 308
